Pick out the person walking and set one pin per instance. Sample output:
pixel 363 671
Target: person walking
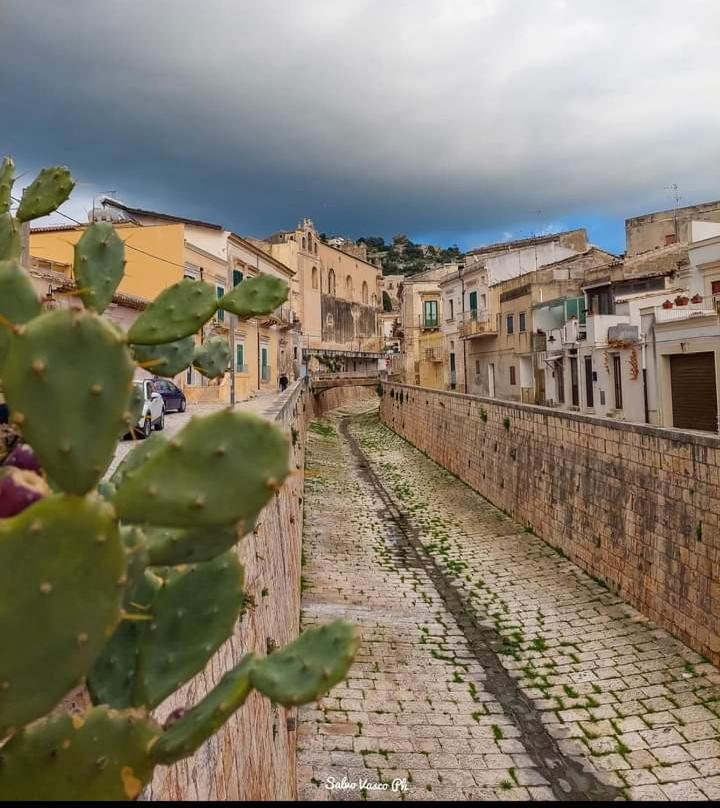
pixel 283 383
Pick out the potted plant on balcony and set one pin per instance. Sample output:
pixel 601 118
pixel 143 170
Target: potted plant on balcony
pixel 667 304
pixel 682 300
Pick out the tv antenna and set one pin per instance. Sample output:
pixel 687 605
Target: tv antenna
pixel 676 197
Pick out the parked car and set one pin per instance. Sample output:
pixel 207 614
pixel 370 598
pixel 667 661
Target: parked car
pixel 173 396
pixel 153 409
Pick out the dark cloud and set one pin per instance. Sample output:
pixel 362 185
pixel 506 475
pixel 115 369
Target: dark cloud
pixel 369 115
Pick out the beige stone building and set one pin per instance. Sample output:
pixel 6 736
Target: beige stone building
pixel 666 227
pixel 337 300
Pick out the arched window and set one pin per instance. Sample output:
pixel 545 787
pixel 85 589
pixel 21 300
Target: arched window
pixel 374 301
pixel 315 246
pixel 331 282
pixel 310 245
pixel 349 287
pixel 365 293
pixel 314 278
pixel 303 243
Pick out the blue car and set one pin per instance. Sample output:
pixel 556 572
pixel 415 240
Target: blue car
pixel 173 396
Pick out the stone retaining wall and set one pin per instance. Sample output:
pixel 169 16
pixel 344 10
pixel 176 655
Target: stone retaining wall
pixel 253 756
pixel 339 396
pixel 635 506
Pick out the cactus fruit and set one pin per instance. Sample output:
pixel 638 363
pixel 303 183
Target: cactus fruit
pixel 175 313
pixel 99 265
pixel 101 755
pixel 258 295
pixel 67 380
pixel 18 300
pixel 166 360
pixel 7 169
pixel 185 735
pixel 19 488
pixel 46 193
pixel 10 246
pixel 171 546
pixel 212 357
pixel 307 668
pixel 113 678
pixel 23 457
pixel 193 614
pixel 218 470
pixel 62 568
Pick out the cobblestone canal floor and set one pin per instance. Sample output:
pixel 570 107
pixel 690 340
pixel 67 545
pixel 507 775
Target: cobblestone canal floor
pixel 490 666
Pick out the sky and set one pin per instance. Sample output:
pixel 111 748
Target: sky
pixel 453 121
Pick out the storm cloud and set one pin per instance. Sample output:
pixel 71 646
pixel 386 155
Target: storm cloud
pixel 463 117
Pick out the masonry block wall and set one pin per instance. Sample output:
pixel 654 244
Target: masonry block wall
pixel 253 756
pixel 635 506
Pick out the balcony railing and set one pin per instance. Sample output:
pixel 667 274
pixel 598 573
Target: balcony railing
pixel 431 322
pixel 682 313
pixel 434 354
pixel 476 323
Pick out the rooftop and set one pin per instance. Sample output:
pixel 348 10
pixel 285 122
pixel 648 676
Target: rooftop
pixel 507 246
pixel 113 203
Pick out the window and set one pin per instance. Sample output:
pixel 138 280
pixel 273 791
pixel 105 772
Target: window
pixel 513 380
pixel 365 293
pixel 188 375
pixel 600 301
pixel 295 352
pixel 240 358
pixel 264 368
pixel 560 382
pixel 617 378
pixel 314 278
pixel 483 301
pixel 477 366
pixel 303 243
pixel 589 398
pixel 521 321
pixel 220 291
pixel 331 282
pixel 574 386
pixel 473 301
pixel 452 308
pixel 349 287
pixel 509 324
pixel 431 314
pixel 237 277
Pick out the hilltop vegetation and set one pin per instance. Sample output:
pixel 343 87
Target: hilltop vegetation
pixel 403 257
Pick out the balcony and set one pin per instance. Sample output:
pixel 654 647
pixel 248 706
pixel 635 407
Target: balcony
pixel 539 343
pixel 434 355
pixel 683 313
pixel 430 323
pixel 477 324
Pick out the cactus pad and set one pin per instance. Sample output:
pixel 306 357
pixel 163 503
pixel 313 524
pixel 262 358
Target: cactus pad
pixel 171 546
pixel 219 470
pixel 99 265
pixel 46 193
pixel 307 668
pixel 18 300
pixel 62 568
pixel 187 734
pixel 113 678
pixel 101 755
pixel 7 169
pixel 193 614
pixel 137 456
pixel 175 313
pixel 259 295
pixel 166 360
pixel 9 238
pixel 67 380
pixel 212 357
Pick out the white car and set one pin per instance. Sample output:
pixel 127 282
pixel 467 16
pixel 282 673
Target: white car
pixel 153 409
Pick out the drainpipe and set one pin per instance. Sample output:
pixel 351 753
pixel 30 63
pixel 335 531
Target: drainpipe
pixel 645 384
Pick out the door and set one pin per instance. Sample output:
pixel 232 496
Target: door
pixel 589 398
pixel 693 390
pixel 473 305
pixel 453 376
pixel 617 381
pixel 264 369
pixel 491 380
pixel 574 386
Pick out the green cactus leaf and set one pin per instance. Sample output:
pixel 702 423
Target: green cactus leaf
pixel 101 755
pixel 193 614
pixel 46 193
pixel 62 568
pixel 10 246
pixel 212 358
pixel 18 301
pixel 259 295
pixel 67 380
pixel 171 546
pixel 177 312
pixel 166 360
pixel 219 470
pixel 7 169
pixel 186 735
pixel 307 668
pixel 113 678
pixel 135 545
pixel 99 265
pixel 137 456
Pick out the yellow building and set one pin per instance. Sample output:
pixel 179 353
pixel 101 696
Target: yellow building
pixel 336 296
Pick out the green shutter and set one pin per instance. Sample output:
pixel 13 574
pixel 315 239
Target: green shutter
pixel 237 277
pixel 219 291
pixel 240 357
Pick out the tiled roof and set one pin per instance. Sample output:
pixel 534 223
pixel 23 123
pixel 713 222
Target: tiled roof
pixel 164 216
pixel 523 242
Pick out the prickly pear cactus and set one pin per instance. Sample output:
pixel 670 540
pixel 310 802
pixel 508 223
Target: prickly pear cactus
pixel 212 357
pixel 129 584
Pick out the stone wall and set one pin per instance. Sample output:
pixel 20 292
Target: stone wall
pixel 253 756
pixel 635 506
pixel 339 396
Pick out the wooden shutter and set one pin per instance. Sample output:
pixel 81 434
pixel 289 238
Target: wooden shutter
pixel 694 395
